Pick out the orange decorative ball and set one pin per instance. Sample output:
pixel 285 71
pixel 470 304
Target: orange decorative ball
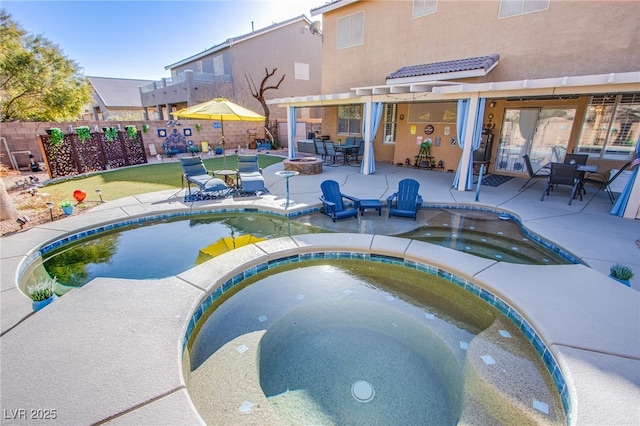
pixel 79 195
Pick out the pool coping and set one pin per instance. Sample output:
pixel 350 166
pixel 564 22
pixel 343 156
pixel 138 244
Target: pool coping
pixel 588 321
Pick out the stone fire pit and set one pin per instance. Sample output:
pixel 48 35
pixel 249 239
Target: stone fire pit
pixel 304 166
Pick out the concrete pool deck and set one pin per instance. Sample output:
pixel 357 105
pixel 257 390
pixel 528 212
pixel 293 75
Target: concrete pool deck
pixel 111 352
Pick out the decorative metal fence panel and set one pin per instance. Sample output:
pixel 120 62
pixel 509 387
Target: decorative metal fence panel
pixel 71 156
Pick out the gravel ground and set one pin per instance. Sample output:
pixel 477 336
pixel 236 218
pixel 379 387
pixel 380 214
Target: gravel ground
pixel 30 204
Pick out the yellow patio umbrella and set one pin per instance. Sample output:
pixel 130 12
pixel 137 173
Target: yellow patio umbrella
pixel 219 109
pixel 226 244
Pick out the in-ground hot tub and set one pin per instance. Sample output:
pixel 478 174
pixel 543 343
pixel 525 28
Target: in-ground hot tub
pixel 304 166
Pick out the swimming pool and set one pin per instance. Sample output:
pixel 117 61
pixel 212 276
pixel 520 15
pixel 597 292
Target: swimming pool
pixel 337 341
pixel 159 247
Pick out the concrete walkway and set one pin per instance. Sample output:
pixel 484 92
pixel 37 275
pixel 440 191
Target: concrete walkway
pixel 111 351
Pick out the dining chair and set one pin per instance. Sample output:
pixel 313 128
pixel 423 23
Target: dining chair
pixel 332 152
pixel 602 182
pixel 541 173
pixel 563 174
pixel 320 149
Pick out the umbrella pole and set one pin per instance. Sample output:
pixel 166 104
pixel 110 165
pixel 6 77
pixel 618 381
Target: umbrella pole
pixel 224 148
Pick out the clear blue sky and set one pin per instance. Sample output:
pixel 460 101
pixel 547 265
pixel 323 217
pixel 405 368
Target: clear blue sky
pixel 137 39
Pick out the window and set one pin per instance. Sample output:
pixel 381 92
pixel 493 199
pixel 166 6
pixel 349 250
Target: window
pixel 390 123
pixel 199 67
pixel 350 119
pixel 351 30
pixel 424 7
pixel 611 127
pixel 509 8
pixel 301 71
pixel 218 65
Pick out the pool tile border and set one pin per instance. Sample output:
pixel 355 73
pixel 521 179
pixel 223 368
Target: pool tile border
pixel 510 312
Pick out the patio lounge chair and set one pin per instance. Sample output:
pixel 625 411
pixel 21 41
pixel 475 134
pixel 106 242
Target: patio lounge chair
pixel 332 201
pixel 541 173
pixel 195 172
pixel 563 174
pixel 407 200
pixel 250 179
pixel 603 183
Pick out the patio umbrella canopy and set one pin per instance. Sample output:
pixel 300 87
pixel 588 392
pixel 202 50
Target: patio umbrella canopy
pixel 219 109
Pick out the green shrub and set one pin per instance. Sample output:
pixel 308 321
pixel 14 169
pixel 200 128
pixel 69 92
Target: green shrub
pixel 43 289
pixel 621 272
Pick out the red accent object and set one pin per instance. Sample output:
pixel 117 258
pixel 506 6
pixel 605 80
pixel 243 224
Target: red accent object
pixel 79 195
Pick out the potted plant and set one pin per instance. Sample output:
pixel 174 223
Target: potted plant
pixel 56 136
pixel 111 133
pixel 84 133
pixel 145 128
pixel 42 292
pixel 131 131
pixel 66 207
pixel 198 127
pixel 621 273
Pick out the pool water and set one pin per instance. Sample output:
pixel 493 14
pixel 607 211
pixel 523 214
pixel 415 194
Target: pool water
pixel 356 342
pixel 158 249
pixel 483 234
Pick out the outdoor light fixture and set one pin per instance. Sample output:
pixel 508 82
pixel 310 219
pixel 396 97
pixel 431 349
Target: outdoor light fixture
pixel 22 220
pixel 173 123
pixel 99 192
pixel 50 207
pixel 492 104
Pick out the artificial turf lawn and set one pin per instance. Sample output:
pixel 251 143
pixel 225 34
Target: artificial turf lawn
pixel 124 182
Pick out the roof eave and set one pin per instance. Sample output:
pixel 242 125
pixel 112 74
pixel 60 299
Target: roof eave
pixel 480 72
pixel 331 7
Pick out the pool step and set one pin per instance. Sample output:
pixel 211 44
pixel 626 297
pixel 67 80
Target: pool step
pixel 503 382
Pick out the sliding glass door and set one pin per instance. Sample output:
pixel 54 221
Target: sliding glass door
pixel 542 133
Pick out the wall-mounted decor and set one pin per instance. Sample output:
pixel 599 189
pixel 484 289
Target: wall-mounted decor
pixel 162 133
pixel 437 143
pixel 447 130
pixel 217 125
pixel 453 141
pixel 428 129
pixel 187 132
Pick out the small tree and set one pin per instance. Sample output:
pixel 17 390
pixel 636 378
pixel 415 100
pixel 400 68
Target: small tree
pixel 258 93
pixel 37 82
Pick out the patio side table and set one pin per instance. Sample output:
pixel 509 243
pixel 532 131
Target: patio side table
pixel 370 204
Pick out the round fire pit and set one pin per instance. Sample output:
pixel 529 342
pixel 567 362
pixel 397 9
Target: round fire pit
pixel 304 166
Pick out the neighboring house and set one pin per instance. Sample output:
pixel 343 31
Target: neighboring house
pixel 546 77
pixel 223 70
pixel 115 99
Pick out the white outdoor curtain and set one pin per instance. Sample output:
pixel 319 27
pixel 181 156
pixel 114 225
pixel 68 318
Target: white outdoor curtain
pixel 291 118
pixel 461 123
pixel 376 116
pixel 527 124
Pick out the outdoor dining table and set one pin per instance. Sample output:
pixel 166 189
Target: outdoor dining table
pixel 346 151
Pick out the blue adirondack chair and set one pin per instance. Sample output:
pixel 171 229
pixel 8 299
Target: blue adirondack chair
pixel 406 202
pixel 332 200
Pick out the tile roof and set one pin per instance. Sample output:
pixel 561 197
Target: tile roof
pixel 466 64
pixel 118 92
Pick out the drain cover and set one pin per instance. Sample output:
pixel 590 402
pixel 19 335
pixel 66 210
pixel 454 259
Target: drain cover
pixel 362 391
